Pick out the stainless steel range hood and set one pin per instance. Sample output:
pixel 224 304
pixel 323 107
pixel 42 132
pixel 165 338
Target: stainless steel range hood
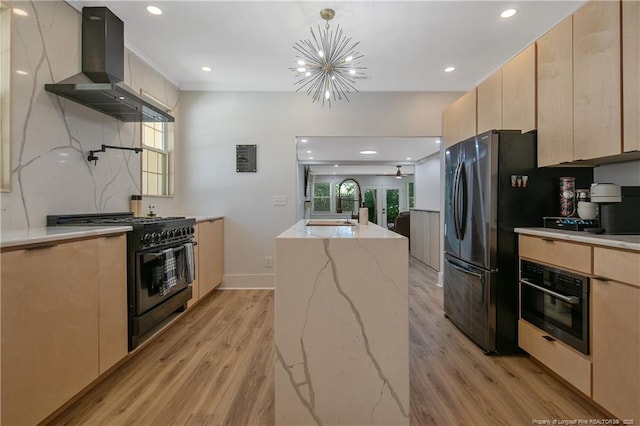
pixel 98 85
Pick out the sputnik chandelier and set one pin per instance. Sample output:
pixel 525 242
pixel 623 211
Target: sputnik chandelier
pixel 327 64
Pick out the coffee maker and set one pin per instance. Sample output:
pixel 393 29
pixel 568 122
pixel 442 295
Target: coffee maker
pixel 619 207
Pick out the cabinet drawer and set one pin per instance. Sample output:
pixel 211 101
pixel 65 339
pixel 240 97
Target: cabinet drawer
pixel 564 361
pixel 619 265
pixel 561 253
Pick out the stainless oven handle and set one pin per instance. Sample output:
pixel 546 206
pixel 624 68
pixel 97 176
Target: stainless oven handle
pixel 465 270
pixel 572 300
pixel 148 257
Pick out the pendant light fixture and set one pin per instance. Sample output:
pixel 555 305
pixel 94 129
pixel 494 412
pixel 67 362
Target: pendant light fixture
pixel 398 173
pixel 327 65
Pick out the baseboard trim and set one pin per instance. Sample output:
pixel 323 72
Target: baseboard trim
pixel 247 282
pixel 440 279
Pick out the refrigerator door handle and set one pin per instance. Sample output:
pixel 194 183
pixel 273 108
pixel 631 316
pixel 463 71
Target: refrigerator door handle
pixel 465 270
pixel 454 198
pixel 462 183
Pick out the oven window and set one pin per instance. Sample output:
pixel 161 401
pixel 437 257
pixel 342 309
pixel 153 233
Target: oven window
pixel 539 308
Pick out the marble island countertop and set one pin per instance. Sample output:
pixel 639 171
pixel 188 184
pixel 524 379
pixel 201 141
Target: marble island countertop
pixel 340 230
pixel 44 234
pixel 628 242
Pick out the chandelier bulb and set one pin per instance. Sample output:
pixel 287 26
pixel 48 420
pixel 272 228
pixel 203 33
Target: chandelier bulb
pixel 327 94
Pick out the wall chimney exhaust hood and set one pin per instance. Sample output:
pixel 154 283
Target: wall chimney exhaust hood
pixel 98 85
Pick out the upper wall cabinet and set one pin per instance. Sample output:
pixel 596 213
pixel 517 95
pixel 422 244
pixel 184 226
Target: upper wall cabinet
pixel 597 103
pixel 490 103
pixel 459 119
pixel 519 91
pixel 555 95
pixel 630 73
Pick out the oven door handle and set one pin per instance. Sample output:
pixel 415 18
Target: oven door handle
pixel 148 257
pixel 572 300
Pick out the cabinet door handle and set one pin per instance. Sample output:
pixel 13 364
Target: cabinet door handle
pixel 41 247
pixel 548 240
pixel 113 236
pixel 599 278
pixel 548 338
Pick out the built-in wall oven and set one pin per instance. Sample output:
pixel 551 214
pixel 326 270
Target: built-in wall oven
pixel 557 302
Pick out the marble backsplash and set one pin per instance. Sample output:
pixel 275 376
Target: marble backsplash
pixel 51 136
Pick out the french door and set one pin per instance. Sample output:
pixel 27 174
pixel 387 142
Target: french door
pixel 384 203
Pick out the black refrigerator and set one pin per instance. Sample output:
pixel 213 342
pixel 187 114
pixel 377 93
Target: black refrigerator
pixel 481 210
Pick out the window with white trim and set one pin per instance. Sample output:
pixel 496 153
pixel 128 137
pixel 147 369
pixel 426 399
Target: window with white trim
pixel 157 156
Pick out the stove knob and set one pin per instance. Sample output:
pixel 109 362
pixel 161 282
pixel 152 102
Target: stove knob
pixel 192 230
pixel 155 237
pixel 164 235
pixel 172 233
pixel 147 238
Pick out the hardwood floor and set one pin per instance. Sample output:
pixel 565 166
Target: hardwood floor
pixel 215 366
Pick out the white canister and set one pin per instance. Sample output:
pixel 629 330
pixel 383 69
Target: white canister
pixel 363 216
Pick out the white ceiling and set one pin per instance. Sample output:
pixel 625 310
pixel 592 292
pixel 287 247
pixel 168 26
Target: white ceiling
pixel 358 170
pixel 346 150
pixel 406 44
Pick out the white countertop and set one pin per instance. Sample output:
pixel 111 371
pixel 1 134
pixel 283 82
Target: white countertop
pixel 371 230
pixel 628 242
pixel 27 236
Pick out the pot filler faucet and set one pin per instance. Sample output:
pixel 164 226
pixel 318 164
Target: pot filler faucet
pixel 339 204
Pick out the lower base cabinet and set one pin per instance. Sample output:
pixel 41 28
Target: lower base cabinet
pixel 63 323
pixel 616 347
pixel 209 258
pixel 559 358
pixel 425 237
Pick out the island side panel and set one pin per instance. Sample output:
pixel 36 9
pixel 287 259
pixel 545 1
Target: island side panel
pixel 341 331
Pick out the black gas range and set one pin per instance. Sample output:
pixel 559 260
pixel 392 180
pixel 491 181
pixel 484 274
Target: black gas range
pixel 156 247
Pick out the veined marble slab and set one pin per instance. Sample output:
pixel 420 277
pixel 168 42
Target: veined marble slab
pixel 341 326
pixel 52 234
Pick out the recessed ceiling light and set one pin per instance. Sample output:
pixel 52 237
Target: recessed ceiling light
pixel 508 13
pixel 310 158
pixel 408 158
pixel 437 140
pixel 368 152
pixel 309 152
pixel 335 165
pixel 121 98
pixel 20 12
pixel 21 72
pixel 206 69
pixel 449 69
pixel 154 10
pixel 304 140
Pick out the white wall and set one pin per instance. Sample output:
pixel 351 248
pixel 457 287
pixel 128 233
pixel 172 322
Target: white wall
pixel 212 123
pixel 427 186
pixel 624 174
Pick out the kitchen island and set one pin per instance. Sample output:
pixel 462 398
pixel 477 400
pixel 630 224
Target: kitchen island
pixel 341 325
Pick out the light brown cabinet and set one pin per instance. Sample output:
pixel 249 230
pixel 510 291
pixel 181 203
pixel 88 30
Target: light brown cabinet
pixel 597 103
pixel 210 255
pixel 425 237
pixel 49 328
pixel 459 119
pixel 519 91
pixel 630 73
pixel 555 95
pixel 615 296
pixel 112 301
pixel 490 103
pixel 566 255
pixel 64 322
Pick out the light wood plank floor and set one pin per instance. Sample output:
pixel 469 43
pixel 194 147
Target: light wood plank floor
pixel 215 366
